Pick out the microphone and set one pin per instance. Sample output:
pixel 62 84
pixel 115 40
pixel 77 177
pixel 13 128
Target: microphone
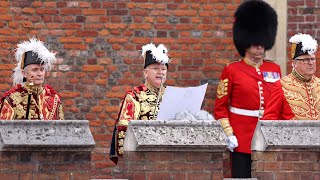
pixel 31 84
pixel 31 81
pixel 158 96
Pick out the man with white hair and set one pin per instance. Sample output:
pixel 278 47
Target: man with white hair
pixel 296 96
pixel 29 99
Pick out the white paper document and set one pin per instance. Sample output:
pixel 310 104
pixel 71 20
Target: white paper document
pixel 178 99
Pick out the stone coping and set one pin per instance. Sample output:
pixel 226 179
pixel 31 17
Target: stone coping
pixel 281 134
pixel 38 135
pixel 175 135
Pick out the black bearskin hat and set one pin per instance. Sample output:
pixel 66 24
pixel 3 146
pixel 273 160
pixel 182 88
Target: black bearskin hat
pixel 255 24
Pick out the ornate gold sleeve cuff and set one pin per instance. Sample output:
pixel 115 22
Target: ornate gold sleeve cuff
pixel 225 124
pixel 120 150
pixel 120 142
pixel 121 134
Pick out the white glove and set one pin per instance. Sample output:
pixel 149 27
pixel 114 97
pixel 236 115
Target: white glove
pixel 232 142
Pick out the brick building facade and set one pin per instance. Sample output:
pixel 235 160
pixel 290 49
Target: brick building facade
pixel 97 45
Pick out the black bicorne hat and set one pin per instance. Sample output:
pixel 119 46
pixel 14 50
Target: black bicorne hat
pixel 153 54
pixel 296 50
pixel 302 44
pixel 255 24
pixel 30 58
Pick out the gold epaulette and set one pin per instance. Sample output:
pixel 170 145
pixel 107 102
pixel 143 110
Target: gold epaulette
pixel 234 61
pixel 268 60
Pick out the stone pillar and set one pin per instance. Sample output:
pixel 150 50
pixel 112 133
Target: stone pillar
pixel 286 150
pixel 45 150
pixel 173 150
pixel 279 51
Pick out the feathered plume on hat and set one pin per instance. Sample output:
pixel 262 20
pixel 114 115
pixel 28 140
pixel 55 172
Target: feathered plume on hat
pixel 153 54
pixel 31 52
pixel 255 24
pixel 302 44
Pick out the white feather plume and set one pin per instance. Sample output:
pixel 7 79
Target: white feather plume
pixel 148 47
pixel 160 53
pixel 36 46
pixel 308 43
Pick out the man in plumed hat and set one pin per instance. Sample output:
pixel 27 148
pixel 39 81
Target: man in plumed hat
pixel 29 99
pixel 142 103
pixel 245 85
pixel 296 96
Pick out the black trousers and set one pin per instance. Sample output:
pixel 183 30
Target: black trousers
pixel 241 165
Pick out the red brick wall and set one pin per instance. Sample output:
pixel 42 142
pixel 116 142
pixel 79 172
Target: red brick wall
pixel 97 45
pixel 304 17
pixel 17 165
pixel 171 165
pixel 275 165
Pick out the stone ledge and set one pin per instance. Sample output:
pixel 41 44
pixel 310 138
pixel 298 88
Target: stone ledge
pixel 280 134
pixel 182 135
pixel 37 135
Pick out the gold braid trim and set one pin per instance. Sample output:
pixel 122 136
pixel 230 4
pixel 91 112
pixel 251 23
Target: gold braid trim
pixel 222 89
pixel 120 151
pixel 123 122
pixel 121 134
pixel 299 76
pixel 55 104
pixel 225 124
pixel 253 64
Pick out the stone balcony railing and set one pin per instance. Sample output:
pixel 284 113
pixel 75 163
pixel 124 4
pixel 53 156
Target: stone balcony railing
pixel 173 150
pixel 286 150
pixel 197 150
pixel 45 149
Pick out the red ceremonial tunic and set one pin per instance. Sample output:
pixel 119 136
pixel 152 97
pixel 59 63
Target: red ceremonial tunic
pixel 245 87
pixel 139 104
pixel 293 98
pixel 45 104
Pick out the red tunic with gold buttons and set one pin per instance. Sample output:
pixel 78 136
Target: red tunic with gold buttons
pixel 294 98
pixel 243 87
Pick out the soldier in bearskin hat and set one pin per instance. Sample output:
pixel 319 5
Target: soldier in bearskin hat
pixel 245 85
pixel 142 103
pixel 296 95
pixel 30 99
